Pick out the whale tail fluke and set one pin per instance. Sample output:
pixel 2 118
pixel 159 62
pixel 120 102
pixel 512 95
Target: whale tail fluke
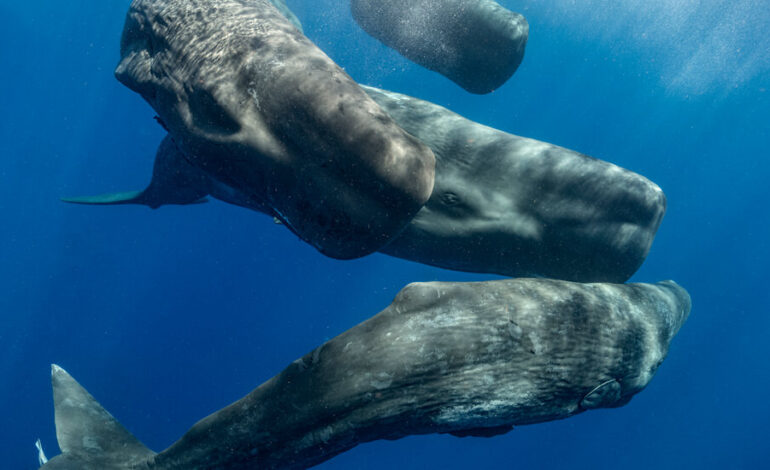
pixel 89 437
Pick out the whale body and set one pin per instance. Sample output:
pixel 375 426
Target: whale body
pixel 515 206
pixel 477 44
pixel 468 359
pixel 501 203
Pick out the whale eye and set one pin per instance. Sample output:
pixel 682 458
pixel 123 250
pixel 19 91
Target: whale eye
pixel 450 199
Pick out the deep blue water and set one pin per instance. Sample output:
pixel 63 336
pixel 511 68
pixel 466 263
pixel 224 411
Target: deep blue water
pixel 168 315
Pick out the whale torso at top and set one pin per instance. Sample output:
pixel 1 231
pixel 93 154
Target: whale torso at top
pixel 478 44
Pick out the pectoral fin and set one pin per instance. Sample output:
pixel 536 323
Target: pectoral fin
pixel 174 181
pixel 128 197
pixel 138 197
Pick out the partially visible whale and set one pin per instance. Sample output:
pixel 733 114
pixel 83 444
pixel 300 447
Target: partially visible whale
pixel 477 44
pixel 515 206
pixel 501 204
pixel 254 104
pixel 469 359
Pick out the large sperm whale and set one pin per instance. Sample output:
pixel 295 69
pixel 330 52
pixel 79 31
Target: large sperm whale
pixel 256 105
pixel 500 204
pixel 515 206
pixel 460 358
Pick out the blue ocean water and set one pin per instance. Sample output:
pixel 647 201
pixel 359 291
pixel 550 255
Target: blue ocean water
pixel 168 315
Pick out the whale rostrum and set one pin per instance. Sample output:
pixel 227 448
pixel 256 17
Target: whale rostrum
pixel 254 104
pixel 469 359
pixel 500 204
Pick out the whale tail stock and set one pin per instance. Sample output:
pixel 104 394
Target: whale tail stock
pixel 89 437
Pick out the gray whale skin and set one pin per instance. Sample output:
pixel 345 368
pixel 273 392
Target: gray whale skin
pixel 500 204
pixel 515 206
pixel 469 359
pixel 223 75
pixel 477 44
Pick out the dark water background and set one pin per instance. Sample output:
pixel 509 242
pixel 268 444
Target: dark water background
pixel 168 315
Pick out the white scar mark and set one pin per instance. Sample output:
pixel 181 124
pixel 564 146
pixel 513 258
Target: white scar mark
pixel 41 458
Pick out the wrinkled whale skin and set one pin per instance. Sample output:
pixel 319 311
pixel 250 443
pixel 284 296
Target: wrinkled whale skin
pixel 461 358
pixel 478 44
pixel 252 102
pixel 515 206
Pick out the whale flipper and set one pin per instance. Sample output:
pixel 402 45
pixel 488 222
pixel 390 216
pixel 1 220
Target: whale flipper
pixel 133 197
pixel 174 181
pixel 128 197
pixel 89 437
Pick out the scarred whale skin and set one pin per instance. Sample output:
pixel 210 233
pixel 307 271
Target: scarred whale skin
pixel 470 359
pixel 478 44
pixel 253 103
